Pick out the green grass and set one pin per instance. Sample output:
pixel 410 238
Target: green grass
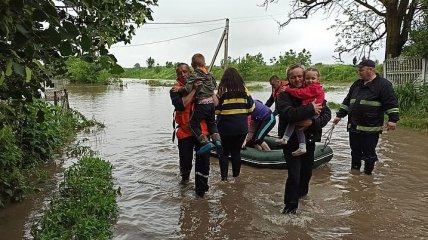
pixel 86 206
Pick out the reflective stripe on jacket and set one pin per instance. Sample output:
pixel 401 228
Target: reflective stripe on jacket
pixel 366 105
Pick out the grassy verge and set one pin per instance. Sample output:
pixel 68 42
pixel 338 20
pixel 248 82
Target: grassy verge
pixel 85 206
pixel 30 135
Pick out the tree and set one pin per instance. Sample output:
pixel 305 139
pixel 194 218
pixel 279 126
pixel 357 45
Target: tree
pixel 37 36
pixel 137 66
pixel 169 64
pixel 363 25
pixel 418 44
pixel 150 62
pixel 291 57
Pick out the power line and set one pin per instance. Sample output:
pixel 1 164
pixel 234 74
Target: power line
pixel 181 23
pixel 167 40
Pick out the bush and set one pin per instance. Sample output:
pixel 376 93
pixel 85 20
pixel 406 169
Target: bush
pixel 86 206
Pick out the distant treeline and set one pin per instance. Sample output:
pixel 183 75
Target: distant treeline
pixel 329 72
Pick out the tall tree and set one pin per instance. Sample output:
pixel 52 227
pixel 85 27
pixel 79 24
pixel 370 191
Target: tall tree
pixel 37 36
pixel 150 62
pixel 363 25
pixel 418 44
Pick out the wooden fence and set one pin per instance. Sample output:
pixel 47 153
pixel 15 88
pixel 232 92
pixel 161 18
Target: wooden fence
pixel 405 70
pixel 59 97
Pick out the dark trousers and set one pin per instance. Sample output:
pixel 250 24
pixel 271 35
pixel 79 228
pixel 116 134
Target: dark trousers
pixel 363 147
pixel 299 175
pixel 263 129
pixel 186 148
pixel 203 112
pixel 231 147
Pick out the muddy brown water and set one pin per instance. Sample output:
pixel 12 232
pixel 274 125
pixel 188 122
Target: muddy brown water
pixel 390 204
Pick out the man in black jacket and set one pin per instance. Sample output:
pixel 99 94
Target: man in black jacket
pixel 290 110
pixel 368 99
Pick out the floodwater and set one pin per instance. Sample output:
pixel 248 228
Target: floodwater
pixel 390 204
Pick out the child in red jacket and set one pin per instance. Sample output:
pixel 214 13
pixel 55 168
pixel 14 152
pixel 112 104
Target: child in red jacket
pixel 312 91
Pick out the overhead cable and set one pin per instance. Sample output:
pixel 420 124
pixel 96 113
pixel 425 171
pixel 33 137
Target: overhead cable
pixel 167 40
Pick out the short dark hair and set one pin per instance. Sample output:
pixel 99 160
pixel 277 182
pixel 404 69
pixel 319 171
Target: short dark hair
pixel 274 77
pixel 366 63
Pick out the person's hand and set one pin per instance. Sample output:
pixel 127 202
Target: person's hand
pixel 304 124
pixel 317 107
pixel 176 88
pixel 391 126
pixel 196 84
pixel 336 120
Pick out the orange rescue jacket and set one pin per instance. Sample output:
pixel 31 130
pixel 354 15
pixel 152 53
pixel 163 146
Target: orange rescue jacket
pixel 182 118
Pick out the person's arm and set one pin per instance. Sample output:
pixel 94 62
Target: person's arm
pixel 290 113
pixel 390 105
pixel 177 100
pixel 310 91
pixel 344 107
pixel 270 101
pixel 323 118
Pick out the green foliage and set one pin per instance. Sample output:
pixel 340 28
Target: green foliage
pixel 337 72
pixel 86 206
pixel 253 68
pixel 169 65
pixel 30 134
pixel 418 44
pixel 11 179
pixel 137 65
pixel 150 62
pixel 290 57
pixel 42 31
pixel 100 71
pixel 413 104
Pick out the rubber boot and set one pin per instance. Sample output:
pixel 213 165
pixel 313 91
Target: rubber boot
pixel 217 142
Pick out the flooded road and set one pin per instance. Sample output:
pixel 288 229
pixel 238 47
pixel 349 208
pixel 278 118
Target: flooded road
pixel 390 204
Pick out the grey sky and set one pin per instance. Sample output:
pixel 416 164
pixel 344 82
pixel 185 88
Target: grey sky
pixel 253 29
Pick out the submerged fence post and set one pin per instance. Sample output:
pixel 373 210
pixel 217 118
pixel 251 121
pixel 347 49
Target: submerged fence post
pixel 424 70
pixel 55 98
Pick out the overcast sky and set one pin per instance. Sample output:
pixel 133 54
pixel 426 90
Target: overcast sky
pixel 253 29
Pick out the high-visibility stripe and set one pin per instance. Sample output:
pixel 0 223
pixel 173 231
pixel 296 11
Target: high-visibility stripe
pixel 235 111
pixel 344 107
pixel 272 119
pixel 202 175
pixel 352 100
pixel 369 129
pixel 235 100
pixel 371 103
pixel 392 110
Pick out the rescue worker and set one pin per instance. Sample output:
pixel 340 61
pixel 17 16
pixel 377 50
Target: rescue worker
pixel 291 110
pixel 187 142
pixel 368 99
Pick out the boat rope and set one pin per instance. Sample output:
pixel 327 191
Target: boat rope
pixel 329 133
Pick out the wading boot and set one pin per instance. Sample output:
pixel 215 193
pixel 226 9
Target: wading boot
pixel 368 167
pixel 217 143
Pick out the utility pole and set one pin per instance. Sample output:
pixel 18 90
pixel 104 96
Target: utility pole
pixel 226 45
pixel 225 37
